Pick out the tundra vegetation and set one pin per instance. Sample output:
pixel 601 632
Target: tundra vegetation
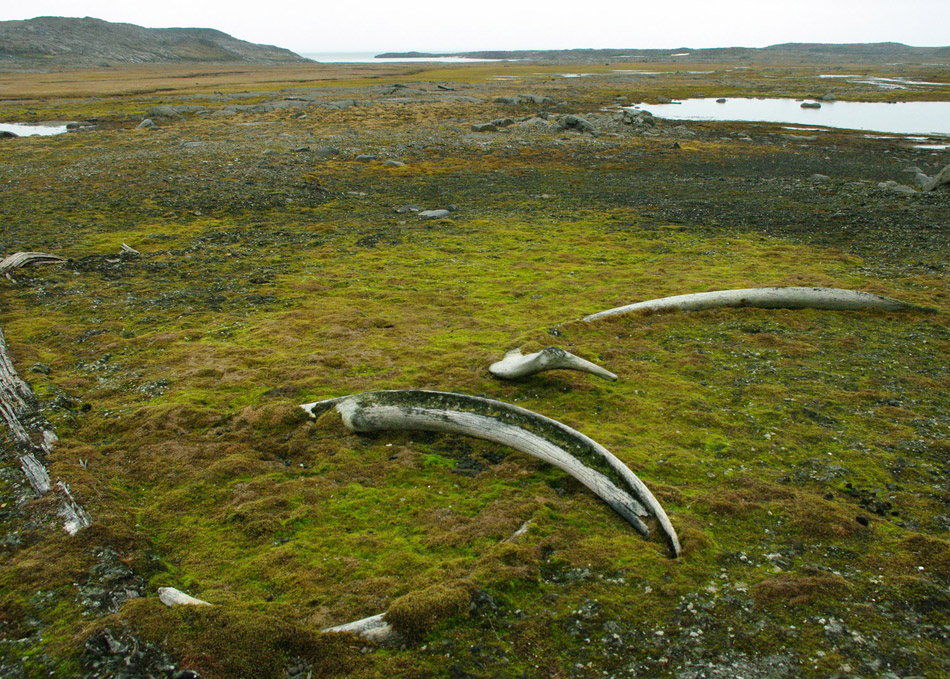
pixel 802 455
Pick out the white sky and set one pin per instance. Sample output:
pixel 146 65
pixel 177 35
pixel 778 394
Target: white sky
pixel 447 25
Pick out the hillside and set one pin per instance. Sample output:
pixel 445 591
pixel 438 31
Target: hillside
pixel 877 53
pixel 65 41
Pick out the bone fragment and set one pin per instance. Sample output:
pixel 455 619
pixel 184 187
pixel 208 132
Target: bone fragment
pixel 174 597
pixel 19 259
pixel 516 365
pixel 549 440
pixel 374 628
pixel 834 299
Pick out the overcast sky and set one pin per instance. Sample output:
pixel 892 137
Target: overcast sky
pixel 447 25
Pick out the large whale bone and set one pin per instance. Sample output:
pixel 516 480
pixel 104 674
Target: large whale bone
pixel 549 440
pixel 20 259
pixel 834 299
pixel 516 365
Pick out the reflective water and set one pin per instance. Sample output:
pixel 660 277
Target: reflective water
pixel 370 58
pixel 22 130
pixel 913 117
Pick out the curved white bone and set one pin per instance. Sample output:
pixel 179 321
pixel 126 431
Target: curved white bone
pixel 175 597
pixel 516 365
pixel 834 299
pixel 18 259
pixel 549 440
pixel 374 628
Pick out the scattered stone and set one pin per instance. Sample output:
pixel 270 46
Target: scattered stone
pixel 434 214
pixel 572 122
pixel 894 187
pixel 483 127
pixel 365 158
pixel 503 122
pixel 637 118
pixel 301 149
pixel 408 208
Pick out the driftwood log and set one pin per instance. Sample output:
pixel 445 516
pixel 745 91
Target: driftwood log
pixel 33 442
pixel 549 440
pixel 516 365
pixel 834 299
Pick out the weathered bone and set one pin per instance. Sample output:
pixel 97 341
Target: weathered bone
pixel 834 299
pixel 175 597
pixel 516 365
pixel 18 259
pixel 549 440
pixel 374 628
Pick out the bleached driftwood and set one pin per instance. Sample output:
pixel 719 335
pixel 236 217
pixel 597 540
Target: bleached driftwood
pixel 374 628
pixel 834 299
pixel 175 597
pixel 516 365
pixel 18 407
pixel 20 259
pixel 932 183
pixel 549 440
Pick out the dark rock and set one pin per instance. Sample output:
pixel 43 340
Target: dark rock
pixel 483 127
pixel 572 122
pixel 810 104
pixel 720 101
pixel 4 134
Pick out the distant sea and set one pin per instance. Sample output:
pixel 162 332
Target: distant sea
pixel 369 58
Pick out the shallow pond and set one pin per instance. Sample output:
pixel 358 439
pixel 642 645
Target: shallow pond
pixel 914 117
pixel 23 130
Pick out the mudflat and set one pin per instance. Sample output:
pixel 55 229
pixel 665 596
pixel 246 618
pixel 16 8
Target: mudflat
pixel 303 232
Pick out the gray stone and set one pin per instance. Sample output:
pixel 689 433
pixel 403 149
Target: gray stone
pixel 365 158
pixel 720 101
pixel 810 104
pixel 664 100
pixel 503 122
pixel 145 124
pixel 484 127
pixel 326 152
pixel 828 97
pixel 819 177
pixel 572 122
pixel 408 208
pixel 394 163
pixel 637 118
pixel 434 214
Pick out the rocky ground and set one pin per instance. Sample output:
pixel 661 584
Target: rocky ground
pixel 312 241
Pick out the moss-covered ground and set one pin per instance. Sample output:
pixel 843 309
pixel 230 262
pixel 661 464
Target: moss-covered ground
pixel 801 455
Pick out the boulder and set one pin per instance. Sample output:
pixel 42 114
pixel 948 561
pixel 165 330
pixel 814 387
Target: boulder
pixel 810 104
pixel 484 127
pixel 146 124
pixel 572 122
pixel 434 214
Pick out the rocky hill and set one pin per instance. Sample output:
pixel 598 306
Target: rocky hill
pixel 884 52
pixel 64 41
